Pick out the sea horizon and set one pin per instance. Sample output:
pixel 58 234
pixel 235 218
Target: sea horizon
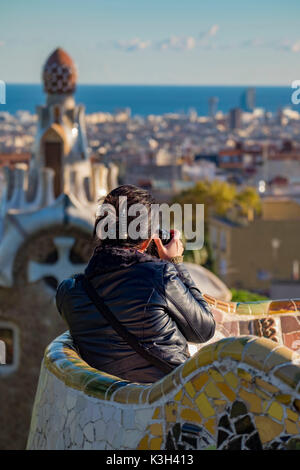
pixel 151 99
pixel 160 84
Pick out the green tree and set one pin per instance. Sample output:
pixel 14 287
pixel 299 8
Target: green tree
pixel 241 295
pixel 249 202
pixel 218 197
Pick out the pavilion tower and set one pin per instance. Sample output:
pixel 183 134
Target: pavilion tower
pixel 61 134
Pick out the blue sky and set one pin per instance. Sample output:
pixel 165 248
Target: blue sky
pixel 215 42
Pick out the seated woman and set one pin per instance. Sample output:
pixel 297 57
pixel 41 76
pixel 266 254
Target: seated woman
pixel 153 299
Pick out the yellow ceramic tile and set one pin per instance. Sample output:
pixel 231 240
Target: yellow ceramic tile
pixel 155 443
pixel 212 391
pixel 201 380
pixel 157 413
pixel 262 394
pixel 244 375
pixel 144 444
pixel 292 415
pixel 190 389
pixel 171 412
pixel 219 345
pixel 168 384
pixel 155 393
pixel 187 402
pixel 190 415
pixel 276 411
pixel 210 425
pixel 233 350
pixel 220 402
pixel 205 356
pixel 254 402
pixel 134 394
pixel 246 384
pixel 226 391
pixel 178 395
pixel 290 427
pixel 204 406
pixel 189 366
pixel 256 351
pixel 231 379
pixel 279 356
pixel 289 373
pixel 265 385
pixel 216 375
pixel 265 406
pixel 121 395
pixel 267 428
pixel 156 429
pixel 285 399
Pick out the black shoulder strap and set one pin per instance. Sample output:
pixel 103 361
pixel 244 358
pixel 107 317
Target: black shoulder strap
pixel 130 338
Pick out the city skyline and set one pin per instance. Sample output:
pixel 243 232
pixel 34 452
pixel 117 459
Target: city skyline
pixel 162 43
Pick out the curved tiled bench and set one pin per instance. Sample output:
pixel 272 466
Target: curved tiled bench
pixel 260 308
pixel 278 320
pixel 235 393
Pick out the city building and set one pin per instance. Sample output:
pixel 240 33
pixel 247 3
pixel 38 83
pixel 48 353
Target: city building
pixel 235 118
pixel 289 289
pixel 231 159
pixel 251 254
pixel 213 106
pixel 248 99
pixel 13 159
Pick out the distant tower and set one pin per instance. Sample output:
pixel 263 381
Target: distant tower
pixel 213 105
pixel 61 134
pixel 281 118
pixel 235 118
pixel 248 99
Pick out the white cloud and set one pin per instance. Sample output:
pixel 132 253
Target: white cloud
pixel 203 41
pixel 205 36
pixel 135 44
pixel 186 43
pixel 291 46
pixel 295 47
pixel 286 45
pixel 213 30
pixel 175 43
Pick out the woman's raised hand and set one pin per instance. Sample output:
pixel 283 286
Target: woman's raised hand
pixel 172 249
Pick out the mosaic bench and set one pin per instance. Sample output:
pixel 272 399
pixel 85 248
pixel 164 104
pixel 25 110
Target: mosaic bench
pixel 236 393
pixel 278 320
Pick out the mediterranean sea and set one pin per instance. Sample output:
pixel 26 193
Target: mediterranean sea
pixel 145 99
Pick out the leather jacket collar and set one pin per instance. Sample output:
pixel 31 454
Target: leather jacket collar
pixel 111 258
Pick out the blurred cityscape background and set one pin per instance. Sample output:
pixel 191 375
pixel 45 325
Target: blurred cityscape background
pixel 242 163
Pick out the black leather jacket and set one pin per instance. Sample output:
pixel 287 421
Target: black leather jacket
pixel 156 300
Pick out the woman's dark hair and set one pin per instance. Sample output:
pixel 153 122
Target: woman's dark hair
pixel 134 195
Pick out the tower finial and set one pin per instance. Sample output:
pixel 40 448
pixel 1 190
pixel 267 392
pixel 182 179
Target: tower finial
pixel 59 73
